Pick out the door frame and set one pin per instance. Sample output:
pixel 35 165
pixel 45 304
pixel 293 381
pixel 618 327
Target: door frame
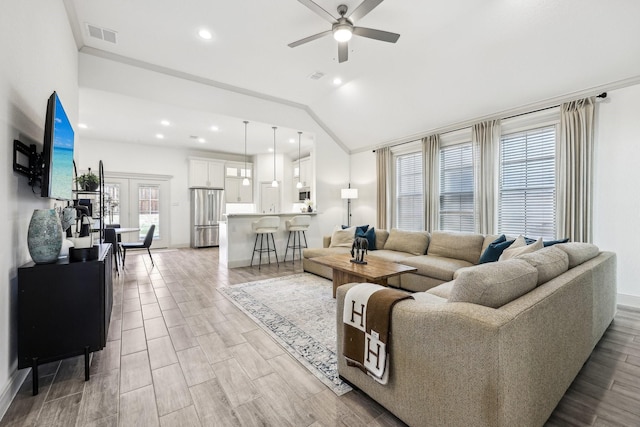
pixel 132 179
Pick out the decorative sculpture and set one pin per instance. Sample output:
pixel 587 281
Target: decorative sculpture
pixel 359 247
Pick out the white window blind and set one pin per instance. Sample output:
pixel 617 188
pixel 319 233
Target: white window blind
pixel 409 192
pixel 456 188
pixel 527 201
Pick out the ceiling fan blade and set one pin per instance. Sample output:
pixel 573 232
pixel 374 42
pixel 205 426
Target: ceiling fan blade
pixel 319 11
pixel 310 38
pixel 343 52
pixel 365 7
pixel 384 36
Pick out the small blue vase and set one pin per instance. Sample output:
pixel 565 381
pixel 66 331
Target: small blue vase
pixel 44 238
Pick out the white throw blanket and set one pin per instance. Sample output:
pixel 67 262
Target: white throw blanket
pixel 366 325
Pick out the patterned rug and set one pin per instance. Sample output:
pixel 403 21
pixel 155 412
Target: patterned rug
pixel 299 312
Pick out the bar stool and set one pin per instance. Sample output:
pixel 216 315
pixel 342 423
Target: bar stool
pixel 265 225
pixel 295 225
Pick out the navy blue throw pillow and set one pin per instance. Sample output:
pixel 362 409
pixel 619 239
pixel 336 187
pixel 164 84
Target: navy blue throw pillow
pixel 370 235
pixel 554 242
pixel 359 227
pixel 495 249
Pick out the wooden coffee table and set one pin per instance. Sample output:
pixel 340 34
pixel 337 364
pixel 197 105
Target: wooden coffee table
pixel 375 271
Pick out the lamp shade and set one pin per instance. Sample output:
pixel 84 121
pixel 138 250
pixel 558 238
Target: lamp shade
pixel 349 193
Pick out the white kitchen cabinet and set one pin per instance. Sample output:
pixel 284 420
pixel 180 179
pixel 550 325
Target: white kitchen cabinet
pixel 206 173
pixel 235 192
pixel 303 171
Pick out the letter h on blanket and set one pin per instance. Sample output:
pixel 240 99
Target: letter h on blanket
pixel 366 332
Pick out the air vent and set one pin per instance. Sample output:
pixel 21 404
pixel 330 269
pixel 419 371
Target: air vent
pixel 317 75
pixel 102 33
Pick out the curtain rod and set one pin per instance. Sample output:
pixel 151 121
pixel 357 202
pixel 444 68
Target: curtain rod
pixel 603 95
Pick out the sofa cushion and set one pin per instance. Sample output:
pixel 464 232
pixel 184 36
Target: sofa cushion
pixel 414 242
pixel 494 284
pixel 550 263
pixel 443 290
pixel 370 235
pixel 381 238
pixel 464 246
pixel 316 252
pixel 494 249
pixel 436 266
pixel 579 252
pixel 513 251
pixel 426 298
pixel 391 256
pixel 343 237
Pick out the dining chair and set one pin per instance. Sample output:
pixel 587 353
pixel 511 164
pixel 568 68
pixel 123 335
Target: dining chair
pixel 145 244
pixel 111 237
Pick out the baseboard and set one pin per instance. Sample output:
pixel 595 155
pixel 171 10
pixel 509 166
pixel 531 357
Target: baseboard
pixel 629 301
pixel 10 391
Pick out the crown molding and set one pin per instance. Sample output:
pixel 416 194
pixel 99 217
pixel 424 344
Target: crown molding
pixel 504 114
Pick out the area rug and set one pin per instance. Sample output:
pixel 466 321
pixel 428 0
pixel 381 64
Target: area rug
pixel 299 312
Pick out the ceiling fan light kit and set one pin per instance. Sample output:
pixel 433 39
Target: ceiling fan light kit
pixel 343 29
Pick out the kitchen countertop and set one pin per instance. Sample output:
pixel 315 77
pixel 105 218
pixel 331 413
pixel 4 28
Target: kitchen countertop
pixel 269 214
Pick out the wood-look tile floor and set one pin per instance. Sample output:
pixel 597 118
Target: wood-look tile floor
pixel 180 354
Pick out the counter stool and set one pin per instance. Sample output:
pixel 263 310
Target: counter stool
pixel 295 226
pixel 265 225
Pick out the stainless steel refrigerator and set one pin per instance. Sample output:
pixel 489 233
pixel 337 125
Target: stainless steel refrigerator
pixel 207 206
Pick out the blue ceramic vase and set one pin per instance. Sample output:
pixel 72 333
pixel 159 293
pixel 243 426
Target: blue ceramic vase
pixel 44 238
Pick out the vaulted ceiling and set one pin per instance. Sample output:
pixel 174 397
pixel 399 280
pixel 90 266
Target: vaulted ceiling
pixel 455 61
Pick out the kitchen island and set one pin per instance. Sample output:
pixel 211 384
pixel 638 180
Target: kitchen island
pixel 237 237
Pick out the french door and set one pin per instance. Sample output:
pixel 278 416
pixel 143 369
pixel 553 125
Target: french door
pixel 139 202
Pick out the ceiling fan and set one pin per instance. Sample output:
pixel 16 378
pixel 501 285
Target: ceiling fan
pixel 343 28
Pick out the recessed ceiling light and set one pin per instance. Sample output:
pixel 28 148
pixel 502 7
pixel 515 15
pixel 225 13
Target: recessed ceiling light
pixel 165 122
pixel 271 150
pixel 159 136
pixel 82 126
pixel 205 34
pixel 337 81
pixel 201 140
pixel 214 128
pixel 291 140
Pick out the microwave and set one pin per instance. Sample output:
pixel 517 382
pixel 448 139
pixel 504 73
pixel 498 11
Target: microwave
pixel 303 195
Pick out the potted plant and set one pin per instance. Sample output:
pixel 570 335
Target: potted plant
pixel 88 181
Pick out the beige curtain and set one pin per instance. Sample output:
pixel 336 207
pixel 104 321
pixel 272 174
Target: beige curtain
pixel 430 158
pixel 575 170
pixel 383 167
pixel 485 141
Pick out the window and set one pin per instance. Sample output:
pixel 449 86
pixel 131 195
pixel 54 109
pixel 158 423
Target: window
pixel 112 202
pixel 409 192
pixel 456 188
pixel 149 209
pixel 527 200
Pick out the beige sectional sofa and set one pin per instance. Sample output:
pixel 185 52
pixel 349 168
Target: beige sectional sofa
pixel 437 256
pixel 500 344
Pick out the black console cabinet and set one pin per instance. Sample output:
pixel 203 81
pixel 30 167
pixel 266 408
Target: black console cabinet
pixel 64 310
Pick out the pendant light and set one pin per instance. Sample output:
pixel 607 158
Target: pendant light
pixel 274 183
pixel 245 181
pixel 299 184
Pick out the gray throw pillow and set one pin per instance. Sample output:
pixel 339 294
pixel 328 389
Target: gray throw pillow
pixel 413 242
pixel 494 284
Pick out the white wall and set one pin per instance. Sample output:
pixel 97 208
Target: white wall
pixel 145 159
pixel 617 198
pixel 39 56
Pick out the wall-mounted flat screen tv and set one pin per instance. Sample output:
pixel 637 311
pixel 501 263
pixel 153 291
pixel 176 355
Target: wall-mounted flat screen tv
pixel 57 173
